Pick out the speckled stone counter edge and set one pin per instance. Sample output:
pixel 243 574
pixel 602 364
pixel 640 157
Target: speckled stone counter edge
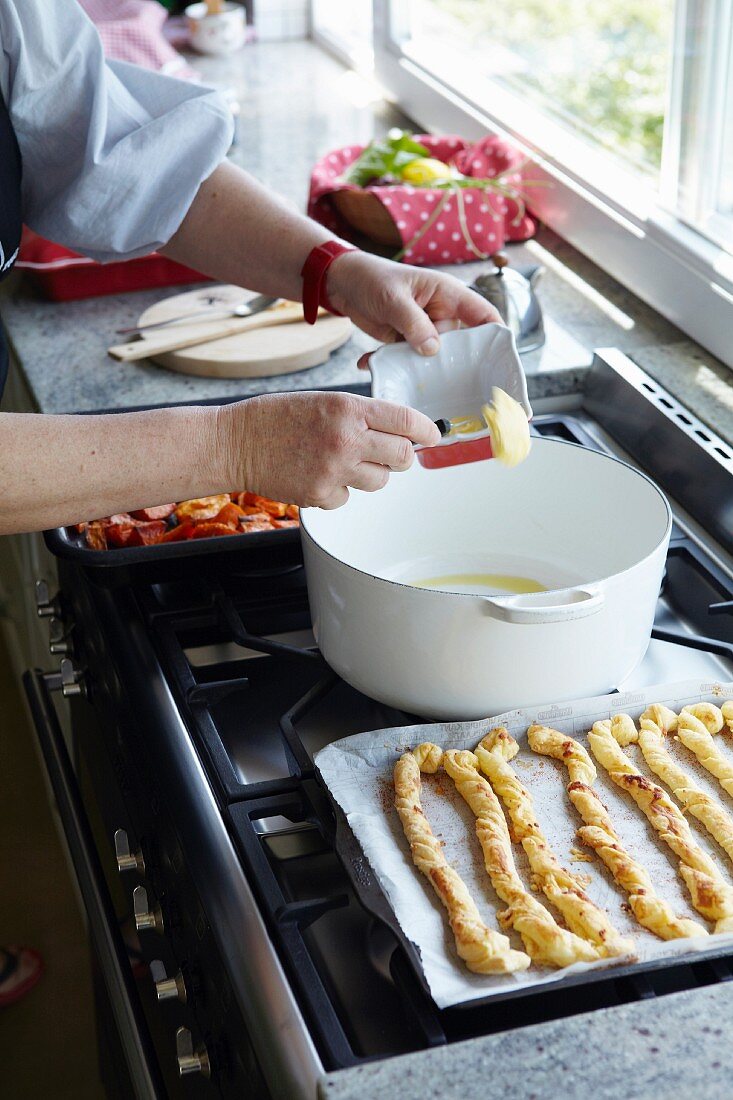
pixel 668 1046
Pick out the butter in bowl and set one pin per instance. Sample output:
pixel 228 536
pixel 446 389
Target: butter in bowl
pixel 474 388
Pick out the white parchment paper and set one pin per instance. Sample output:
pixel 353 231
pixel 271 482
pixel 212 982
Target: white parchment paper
pixel 358 772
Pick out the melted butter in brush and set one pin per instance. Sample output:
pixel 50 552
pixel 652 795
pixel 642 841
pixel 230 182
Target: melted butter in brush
pixel 508 427
pixel 483 583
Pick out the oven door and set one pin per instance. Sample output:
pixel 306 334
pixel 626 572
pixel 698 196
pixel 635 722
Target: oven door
pixel 111 967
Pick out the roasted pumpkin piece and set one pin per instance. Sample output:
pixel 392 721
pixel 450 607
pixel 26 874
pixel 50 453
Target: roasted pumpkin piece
pixel 231 514
pixel 272 507
pixel 180 533
pixel 292 511
pixel 263 523
pixel 209 528
pixel 160 511
pixel 120 534
pixel 203 508
pixel 245 498
pixel 95 536
pixel 285 523
pixel 255 517
pixel 146 534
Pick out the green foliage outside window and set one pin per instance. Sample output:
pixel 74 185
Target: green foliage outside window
pixel 601 65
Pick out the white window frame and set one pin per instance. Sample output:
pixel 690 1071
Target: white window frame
pixel 338 45
pixel 608 215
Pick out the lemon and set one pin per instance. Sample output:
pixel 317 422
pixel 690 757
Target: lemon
pixel 426 170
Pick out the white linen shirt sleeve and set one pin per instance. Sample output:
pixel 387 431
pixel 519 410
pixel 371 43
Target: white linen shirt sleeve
pixel 113 154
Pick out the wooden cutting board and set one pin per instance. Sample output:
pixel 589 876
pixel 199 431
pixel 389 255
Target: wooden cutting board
pixel 260 353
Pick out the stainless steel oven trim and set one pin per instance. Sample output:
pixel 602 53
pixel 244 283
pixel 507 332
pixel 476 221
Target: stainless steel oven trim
pixel 288 1058
pixel 107 941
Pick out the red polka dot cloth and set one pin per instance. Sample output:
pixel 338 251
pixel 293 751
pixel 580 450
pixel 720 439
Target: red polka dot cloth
pixel 437 226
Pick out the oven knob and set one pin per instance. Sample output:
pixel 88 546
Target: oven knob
pixel 190 1060
pixel 166 988
pixel 127 860
pixel 45 606
pixel 71 678
pixel 58 639
pixel 145 916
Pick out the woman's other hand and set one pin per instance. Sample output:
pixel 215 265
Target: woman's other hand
pixel 310 448
pixel 393 301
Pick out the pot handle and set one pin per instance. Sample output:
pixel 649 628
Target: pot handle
pixel 547 607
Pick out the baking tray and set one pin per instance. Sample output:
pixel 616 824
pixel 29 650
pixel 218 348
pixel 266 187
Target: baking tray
pixel 374 895
pixel 260 552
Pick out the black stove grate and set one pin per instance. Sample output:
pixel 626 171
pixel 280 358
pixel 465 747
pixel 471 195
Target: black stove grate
pixel 315 888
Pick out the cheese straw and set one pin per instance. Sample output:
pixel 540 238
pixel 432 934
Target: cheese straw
pixel 545 941
pixel 598 833
pixel 711 894
pixel 560 887
pixel 484 950
pixel 656 723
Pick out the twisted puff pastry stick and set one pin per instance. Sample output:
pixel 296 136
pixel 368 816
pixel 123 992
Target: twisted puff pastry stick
pixel 727 711
pixel 711 895
pixel 546 942
pixel 695 725
pixel 650 910
pixel 655 723
pixel 558 885
pixel 482 949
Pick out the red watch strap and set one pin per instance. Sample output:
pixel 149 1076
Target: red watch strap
pixel 314 278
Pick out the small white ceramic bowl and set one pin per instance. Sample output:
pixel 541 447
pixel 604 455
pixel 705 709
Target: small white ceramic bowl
pixel 216 34
pixel 455 382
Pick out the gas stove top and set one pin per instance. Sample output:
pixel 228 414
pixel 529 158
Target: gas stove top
pixel 230 701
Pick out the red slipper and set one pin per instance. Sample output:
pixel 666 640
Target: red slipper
pixel 13 955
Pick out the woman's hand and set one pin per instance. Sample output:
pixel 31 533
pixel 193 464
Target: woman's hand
pixel 309 448
pixel 394 301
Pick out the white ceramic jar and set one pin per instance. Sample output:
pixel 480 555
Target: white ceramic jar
pixel 221 33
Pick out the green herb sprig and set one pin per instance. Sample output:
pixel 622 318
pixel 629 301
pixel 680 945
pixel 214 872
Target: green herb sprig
pixel 385 158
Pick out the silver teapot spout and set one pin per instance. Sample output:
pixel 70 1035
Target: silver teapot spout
pixel 511 290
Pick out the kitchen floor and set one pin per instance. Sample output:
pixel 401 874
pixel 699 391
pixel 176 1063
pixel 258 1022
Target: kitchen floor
pixel 47 1040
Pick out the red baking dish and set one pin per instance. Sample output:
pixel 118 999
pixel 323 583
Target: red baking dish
pixel 63 275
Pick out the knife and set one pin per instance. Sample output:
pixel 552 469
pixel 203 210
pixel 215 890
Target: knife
pixel 244 309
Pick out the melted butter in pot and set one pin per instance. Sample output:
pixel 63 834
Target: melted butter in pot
pixel 482 584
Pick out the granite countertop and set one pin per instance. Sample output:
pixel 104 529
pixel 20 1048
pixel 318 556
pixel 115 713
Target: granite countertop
pixel 637 1051
pixel 61 347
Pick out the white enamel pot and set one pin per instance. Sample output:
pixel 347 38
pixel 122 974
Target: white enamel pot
pixel 591 529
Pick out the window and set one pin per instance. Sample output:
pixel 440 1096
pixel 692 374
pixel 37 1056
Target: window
pixel 625 108
pixel 601 69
